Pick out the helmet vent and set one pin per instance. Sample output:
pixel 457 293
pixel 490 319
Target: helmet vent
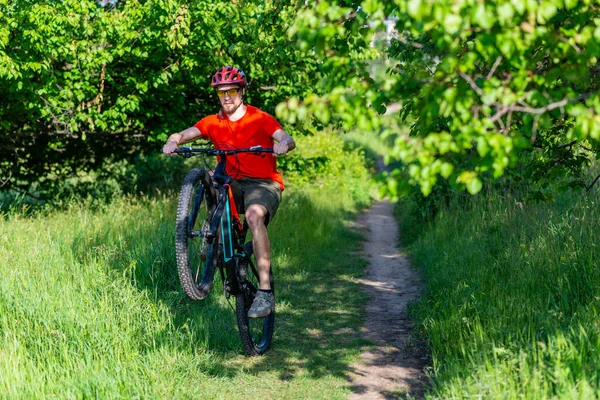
pixel 229 75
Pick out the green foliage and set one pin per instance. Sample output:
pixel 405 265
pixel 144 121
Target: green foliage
pixel 82 83
pixel 319 157
pixel 485 86
pixel 145 174
pixel 510 307
pixel 322 156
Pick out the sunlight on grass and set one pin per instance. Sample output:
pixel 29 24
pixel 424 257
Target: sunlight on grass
pixel 91 306
pixel 512 297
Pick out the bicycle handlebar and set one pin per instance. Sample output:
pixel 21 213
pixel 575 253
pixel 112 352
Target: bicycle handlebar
pixel 189 151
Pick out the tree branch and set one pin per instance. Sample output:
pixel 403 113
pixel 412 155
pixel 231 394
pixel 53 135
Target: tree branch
pixel 471 82
pixel 593 183
pixel 528 109
pixel 573 45
pixel 494 67
pixel 570 144
pixel 502 126
pixel 508 122
pixel 416 45
pixel 4 182
pixel 348 17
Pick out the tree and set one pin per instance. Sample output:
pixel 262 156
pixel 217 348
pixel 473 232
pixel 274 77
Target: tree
pixel 484 86
pixel 82 83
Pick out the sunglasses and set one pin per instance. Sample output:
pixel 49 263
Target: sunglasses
pixel 230 92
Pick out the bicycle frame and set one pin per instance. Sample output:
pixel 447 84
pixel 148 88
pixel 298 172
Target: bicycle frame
pixel 222 235
pixel 226 219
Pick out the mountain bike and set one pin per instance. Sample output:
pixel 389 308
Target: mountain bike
pixel 210 236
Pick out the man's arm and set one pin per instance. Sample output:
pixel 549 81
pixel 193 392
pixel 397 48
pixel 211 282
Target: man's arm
pixel 176 139
pixel 284 143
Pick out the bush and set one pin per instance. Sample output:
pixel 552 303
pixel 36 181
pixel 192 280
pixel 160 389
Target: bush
pixel 317 158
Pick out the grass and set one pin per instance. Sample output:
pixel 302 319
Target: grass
pixel 512 296
pixel 90 304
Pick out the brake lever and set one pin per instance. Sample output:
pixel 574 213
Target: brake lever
pixel 185 151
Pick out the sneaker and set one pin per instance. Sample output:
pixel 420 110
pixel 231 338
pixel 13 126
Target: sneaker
pixel 262 305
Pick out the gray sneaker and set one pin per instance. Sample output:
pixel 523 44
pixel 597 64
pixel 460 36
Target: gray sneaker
pixel 262 305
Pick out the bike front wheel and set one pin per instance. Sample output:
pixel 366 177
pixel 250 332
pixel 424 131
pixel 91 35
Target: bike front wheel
pixel 195 246
pixel 256 333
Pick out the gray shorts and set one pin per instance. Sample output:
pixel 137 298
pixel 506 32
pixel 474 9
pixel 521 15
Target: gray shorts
pixel 248 191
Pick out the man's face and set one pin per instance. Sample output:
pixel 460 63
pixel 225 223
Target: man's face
pixel 230 102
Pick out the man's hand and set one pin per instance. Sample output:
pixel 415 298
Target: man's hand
pixel 284 143
pixel 169 148
pixel 280 148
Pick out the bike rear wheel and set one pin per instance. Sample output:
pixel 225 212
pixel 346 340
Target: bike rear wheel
pixel 256 333
pixel 195 248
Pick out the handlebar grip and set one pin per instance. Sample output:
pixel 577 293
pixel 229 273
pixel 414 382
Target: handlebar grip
pixel 261 149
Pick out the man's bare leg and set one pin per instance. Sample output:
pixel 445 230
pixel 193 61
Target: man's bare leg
pixel 255 216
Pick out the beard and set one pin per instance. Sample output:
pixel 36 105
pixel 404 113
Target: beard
pixel 231 108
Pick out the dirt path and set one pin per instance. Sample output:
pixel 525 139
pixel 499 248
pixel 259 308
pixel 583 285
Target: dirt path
pixel 394 367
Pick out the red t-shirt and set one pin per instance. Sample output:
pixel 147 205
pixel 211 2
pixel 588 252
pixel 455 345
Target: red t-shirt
pixel 255 128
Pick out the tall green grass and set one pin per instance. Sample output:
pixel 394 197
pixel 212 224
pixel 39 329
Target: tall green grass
pixel 90 304
pixel 511 302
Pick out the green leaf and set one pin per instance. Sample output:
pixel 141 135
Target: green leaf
pixel 519 5
pixel 452 23
pixel 505 13
pixel 483 16
pixel 570 4
pixel 415 9
pixel 482 146
pixel 474 186
pixel 546 11
pixel 446 170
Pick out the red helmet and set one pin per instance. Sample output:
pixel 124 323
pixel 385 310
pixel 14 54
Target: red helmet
pixel 229 75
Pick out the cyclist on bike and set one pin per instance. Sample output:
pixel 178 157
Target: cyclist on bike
pixel 239 125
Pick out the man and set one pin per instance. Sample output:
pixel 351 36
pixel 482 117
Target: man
pixel 238 125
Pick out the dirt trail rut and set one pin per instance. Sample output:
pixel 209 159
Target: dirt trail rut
pixel 394 367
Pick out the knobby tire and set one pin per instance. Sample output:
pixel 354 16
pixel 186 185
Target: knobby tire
pixel 196 256
pixel 256 333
